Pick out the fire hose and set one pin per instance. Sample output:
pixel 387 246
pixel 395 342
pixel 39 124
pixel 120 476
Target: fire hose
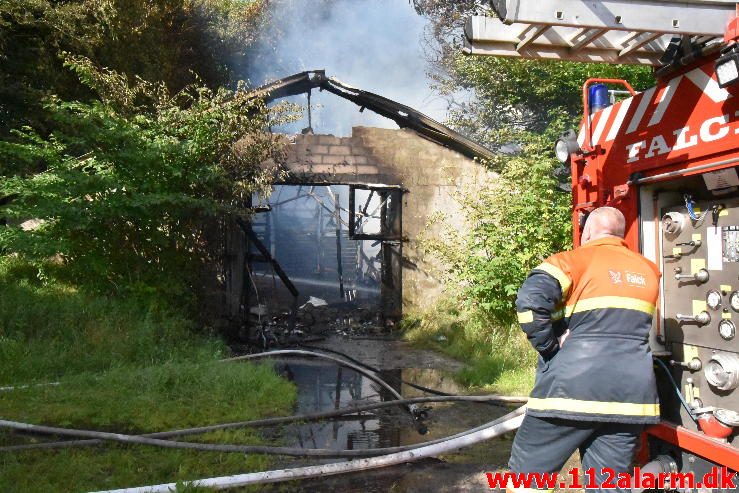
pixel 394 455
pixel 313 354
pixel 509 422
pixel 94 438
pixel 412 408
pixel 210 447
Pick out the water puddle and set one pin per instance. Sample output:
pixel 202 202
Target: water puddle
pixel 324 386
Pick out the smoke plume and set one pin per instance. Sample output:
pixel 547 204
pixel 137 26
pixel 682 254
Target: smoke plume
pixel 375 45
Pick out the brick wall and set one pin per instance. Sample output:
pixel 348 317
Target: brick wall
pixel 330 159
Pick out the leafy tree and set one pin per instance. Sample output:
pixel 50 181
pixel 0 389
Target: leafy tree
pixel 446 20
pixel 132 179
pixel 166 41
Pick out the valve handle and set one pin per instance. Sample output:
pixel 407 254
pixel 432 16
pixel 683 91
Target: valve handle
pixel 701 276
pixel 701 318
pixel 694 243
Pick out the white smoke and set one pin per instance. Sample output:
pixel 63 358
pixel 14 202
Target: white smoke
pixel 375 45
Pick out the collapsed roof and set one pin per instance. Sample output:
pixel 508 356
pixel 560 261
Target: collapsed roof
pixel 404 116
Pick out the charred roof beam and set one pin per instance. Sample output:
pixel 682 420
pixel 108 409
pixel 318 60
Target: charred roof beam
pixel 404 116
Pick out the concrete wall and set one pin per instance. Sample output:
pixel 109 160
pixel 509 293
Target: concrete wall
pixel 431 174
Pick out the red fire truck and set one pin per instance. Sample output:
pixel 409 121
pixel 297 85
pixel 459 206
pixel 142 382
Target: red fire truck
pixel 667 157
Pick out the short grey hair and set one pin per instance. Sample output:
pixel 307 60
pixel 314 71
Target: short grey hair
pixel 607 221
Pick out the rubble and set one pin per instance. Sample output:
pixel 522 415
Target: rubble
pixel 315 320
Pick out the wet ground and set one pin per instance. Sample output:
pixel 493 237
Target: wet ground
pixel 324 386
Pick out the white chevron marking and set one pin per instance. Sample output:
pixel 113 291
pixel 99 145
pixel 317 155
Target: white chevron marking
pixel 605 114
pixel 646 98
pixel 664 103
pixel 708 85
pixel 619 119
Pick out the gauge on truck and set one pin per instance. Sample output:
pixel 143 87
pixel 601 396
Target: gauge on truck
pixel 727 330
pixel 734 301
pixel 713 299
pixel 672 224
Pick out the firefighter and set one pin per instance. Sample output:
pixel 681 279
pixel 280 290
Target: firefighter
pixel 588 313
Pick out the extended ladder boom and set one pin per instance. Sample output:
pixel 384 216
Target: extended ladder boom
pixel 607 31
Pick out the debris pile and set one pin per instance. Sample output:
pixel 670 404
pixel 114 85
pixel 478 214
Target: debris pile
pixel 317 319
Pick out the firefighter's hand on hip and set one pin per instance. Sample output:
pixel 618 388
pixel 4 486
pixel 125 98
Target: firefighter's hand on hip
pixel 563 337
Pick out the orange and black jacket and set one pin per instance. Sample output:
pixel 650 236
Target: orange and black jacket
pixel 605 294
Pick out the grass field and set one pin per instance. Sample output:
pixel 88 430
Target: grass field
pixel 157 398
pixel 120 365
pixel 50 329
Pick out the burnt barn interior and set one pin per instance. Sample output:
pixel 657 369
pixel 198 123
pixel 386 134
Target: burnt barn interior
pixel 340 246
pixel 336 246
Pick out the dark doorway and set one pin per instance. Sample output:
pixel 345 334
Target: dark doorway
pixel 340 247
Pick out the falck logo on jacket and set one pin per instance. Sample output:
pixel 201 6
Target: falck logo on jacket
pixel 615 276
pixel 636 279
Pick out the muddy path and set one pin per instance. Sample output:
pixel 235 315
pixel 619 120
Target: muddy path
pixel 325 386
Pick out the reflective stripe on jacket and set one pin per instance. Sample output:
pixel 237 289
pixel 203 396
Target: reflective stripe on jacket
pixel 605 294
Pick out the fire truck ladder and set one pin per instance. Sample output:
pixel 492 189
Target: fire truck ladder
pixel 606 31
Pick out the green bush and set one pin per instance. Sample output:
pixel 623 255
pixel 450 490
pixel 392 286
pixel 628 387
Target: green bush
pixel 510 228
pixel 132 183
pixel 167 40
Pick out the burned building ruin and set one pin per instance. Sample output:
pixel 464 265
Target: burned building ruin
pixel 336 244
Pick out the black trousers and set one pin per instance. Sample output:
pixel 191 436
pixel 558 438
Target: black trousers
pixel 543 445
